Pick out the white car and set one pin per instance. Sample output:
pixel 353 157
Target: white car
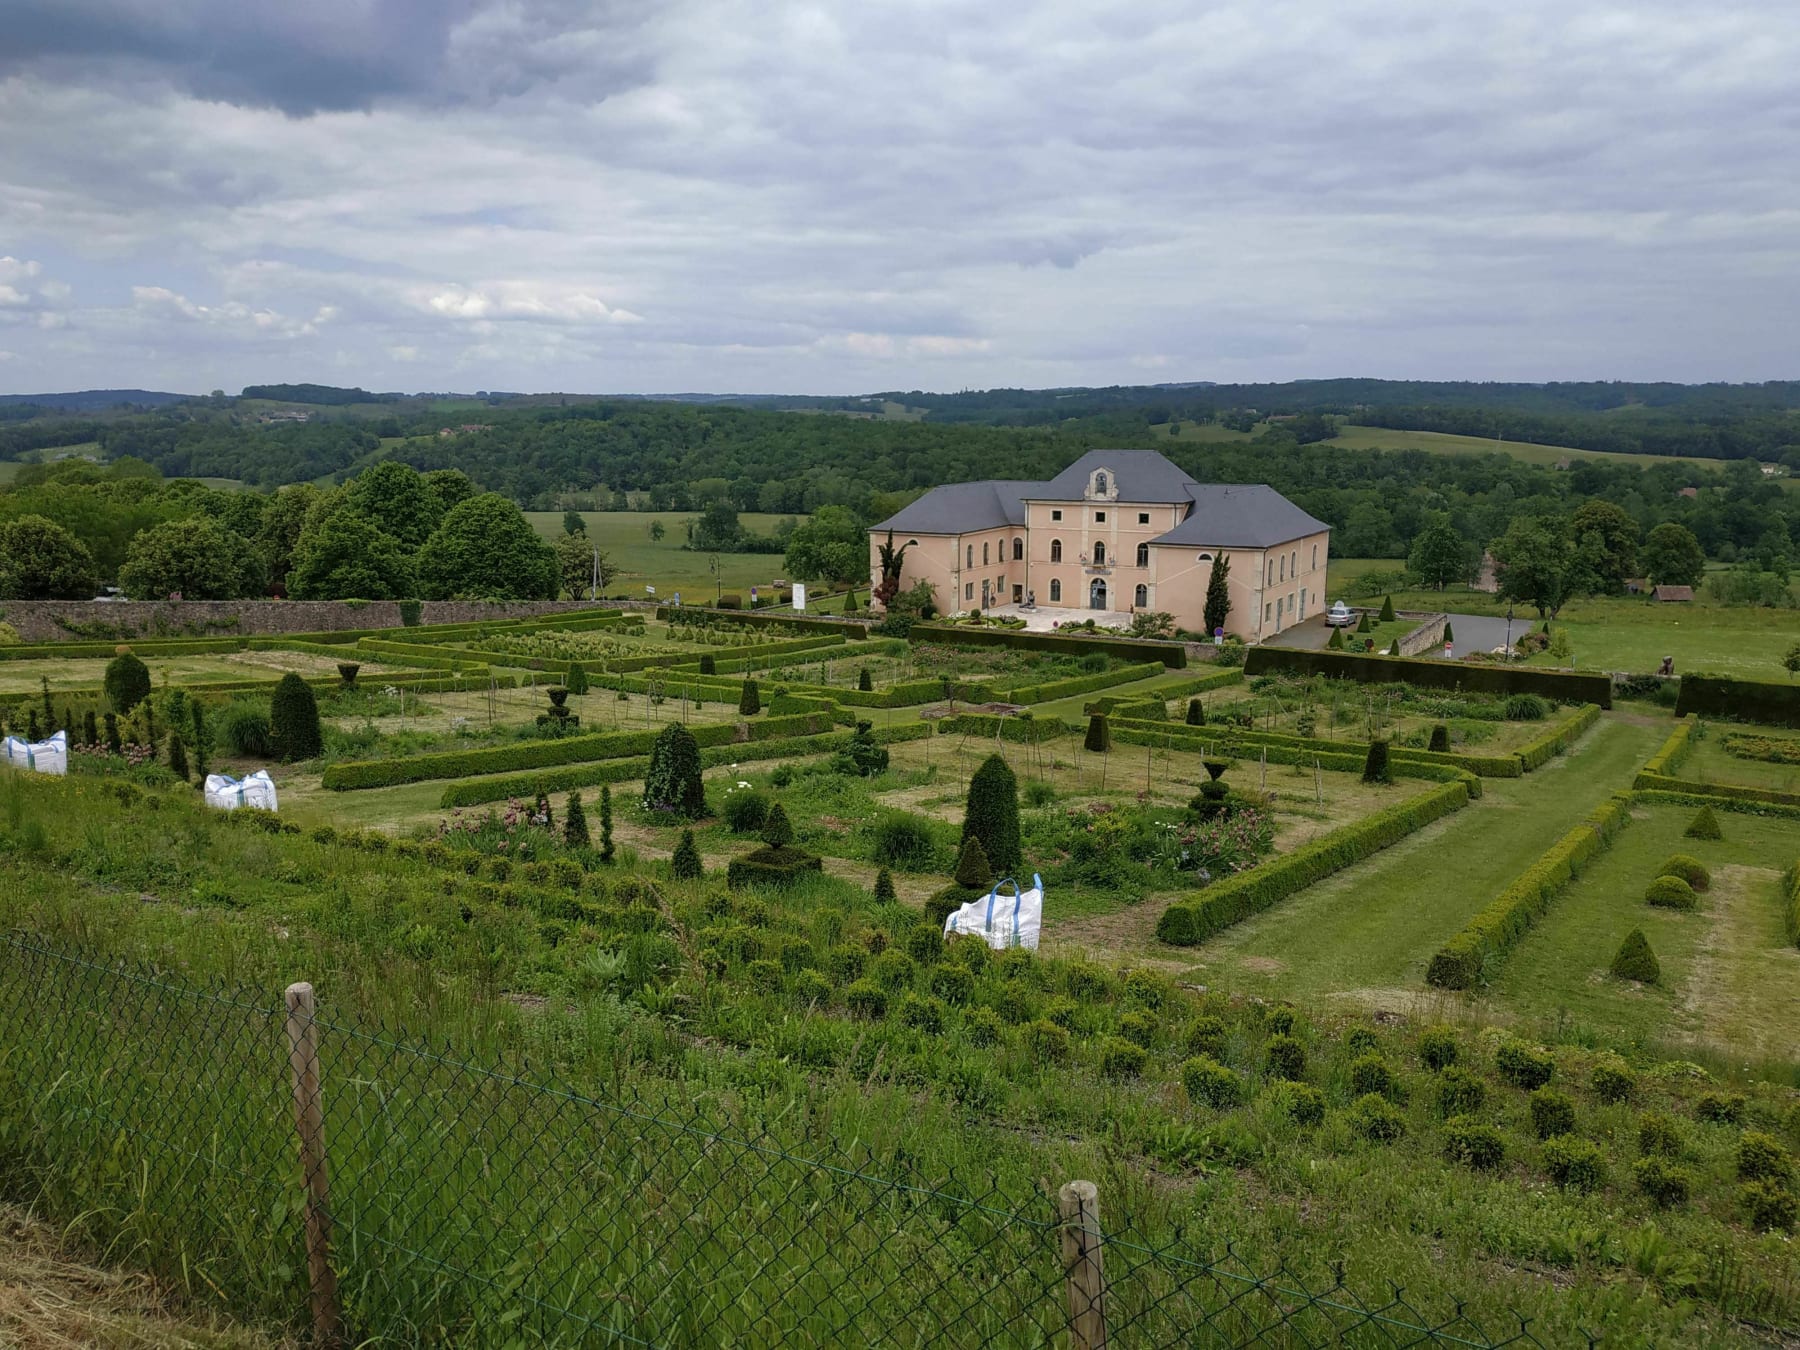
pixel 1340 615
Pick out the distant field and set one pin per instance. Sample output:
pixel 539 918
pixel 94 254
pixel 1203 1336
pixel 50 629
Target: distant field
pixel 1197 432
pixel 625 537
pixel 9 470
pixel 1442 443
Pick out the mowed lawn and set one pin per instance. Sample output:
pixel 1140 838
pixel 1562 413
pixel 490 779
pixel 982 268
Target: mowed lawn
pixel 1634 635
pixel 624 536
pixel 1366 935
pixel 1730 977
pixel 1445 443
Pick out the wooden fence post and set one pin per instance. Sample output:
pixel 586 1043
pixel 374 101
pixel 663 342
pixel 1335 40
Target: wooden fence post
pixel 309 1123
pixel 1080 1204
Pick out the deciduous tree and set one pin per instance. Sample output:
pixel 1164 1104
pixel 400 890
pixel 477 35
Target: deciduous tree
pixel 486 548
pixel 40 560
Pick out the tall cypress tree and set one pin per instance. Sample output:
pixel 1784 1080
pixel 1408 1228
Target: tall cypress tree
pixel 686 862
pixel 294 720
pixel 575 826
pixel 1218 594
pixel 606 839
pixel 178 764
pixel 202 737
pixel 992 813
pixel 672 782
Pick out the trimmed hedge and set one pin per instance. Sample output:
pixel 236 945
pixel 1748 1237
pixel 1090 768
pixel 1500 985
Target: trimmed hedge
pixel 354 775
pixel 1171 654
pixel 474 791
pixel 1535 754
pixel 1483 766
pixel 1727 791
pixel 1668 758
pixel 1744 700
pixel 1481 944
pixel 1562 686
pixel 1022 729
pixel 1672 797
pixel 139 647
pixel 763 617
pixel 1049 691
pixel 1790 903
pixel 1340 756
pixel 1238 897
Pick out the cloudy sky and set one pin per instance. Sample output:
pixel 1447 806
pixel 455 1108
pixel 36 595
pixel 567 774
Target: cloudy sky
pixel 664 195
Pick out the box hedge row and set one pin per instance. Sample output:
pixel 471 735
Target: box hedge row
pixel 1025 730
pixel 1537 753
pixel 1171 654
pixel 142 647
pixel 355 775
pixel 1745 700
pixel 1340 756
pixel 1790 903
pixel 1481 943
pixel 1727 791
pixel 478 790
pixel 1561 685
pixel 1703 797
pixel 1238 897
pixel 1483 766
pixel 764 617
pixel 1673 751
pixel 1048 691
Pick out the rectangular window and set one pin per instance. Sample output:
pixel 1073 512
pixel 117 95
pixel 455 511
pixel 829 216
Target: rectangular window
pixel 1143 517
pixel 1056 515
pixel 1268 611
pixel 1099 517
pixel 984 555
pixel 971 561
pixel 969 591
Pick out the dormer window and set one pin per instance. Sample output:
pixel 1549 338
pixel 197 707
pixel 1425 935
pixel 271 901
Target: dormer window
pixel 1100 484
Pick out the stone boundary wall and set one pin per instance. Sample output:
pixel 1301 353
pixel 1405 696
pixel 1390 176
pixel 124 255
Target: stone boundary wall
pixel 66 620
pixel 1427 635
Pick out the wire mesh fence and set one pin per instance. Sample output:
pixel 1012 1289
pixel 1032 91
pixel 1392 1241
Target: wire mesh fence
pixel 482 1204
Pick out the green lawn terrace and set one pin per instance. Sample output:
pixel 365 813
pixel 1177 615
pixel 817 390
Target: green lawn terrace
pixel 1743 755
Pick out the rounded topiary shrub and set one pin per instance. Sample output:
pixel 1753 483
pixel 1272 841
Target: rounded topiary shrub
pixel 1761 1156
pixel 1046 1042
pixel 1120 1058
pixel 1370 1074
pixel 1704 825
pixel 1666 1183
pixel 1769 1206
pixel 1138 1028
pixel 954 984
pixel 1304 1103
pixel 1523 1065
pixel 1689 868
pixel 1285 1056
pixel 1635 960
pixel 1613 1080
pixel 922 1014
pixel 1439 1048
pixel 1526 708
pixel 1658 1135
pixel 1459 1092
pixel 1196 713
pixel 1207 1036
pixel 866 999
pixel 1671 893
pixel 1720 1108
pixel 1573 1162
pixel 982 1026
pixel 1374 1117
pixel 1473 1144
pixel 1279 1020
pixel 1551 1113
pixel 1209 1083
pixel 294 731
pixel 126 682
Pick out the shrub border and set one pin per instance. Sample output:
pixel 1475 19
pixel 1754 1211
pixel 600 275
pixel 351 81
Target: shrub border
pixel 1561 686
pixel 1171 654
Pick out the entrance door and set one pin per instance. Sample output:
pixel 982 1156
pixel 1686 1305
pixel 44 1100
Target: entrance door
pixel 1097 594
pixel 1018 595
pixel 987 596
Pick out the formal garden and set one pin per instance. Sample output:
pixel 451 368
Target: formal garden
pixel 1481 980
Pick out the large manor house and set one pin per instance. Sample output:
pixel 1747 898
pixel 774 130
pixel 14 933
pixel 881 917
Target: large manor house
pixel 1117 532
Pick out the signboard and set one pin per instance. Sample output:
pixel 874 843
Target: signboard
pixel 753 597
pixel 1218 636
pixel 800 595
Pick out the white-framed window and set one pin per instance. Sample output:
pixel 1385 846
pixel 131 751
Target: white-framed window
pixel 1056 550
pixel 1099 517
pixel 1056 515
pixel 1143 517
pixel 1143 555
pixel 1142 599
pixel 971 555
pixel 1055 591
pixel 1099 553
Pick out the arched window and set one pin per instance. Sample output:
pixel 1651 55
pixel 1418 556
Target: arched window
pixel 1143 555
pixel 1294 562
pixel 971 555
pixel 1055 552
pixel 984 554
pixel 1019 549
pixel 1142 598
pixel 1315 562
pixel 1055 591
pixel 1099 553
pixel 1100 484
pixel 1281 571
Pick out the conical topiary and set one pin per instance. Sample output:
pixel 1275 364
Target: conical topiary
pixel 606 839
pixel 1196 713
pixel 576 681
pixel 575 826
pixel 1635 960
pixel 863 682
pixel 1449 634
pixel 884 888
pixel 1336 641
pixel 294 720
pixel 126 682
pixel 1387 610
pixel 201 739
pixel 1099 735
pixel 992 814
pixel 1394 647
pixel 1440 739
pixel 1704 825
pixel 114 743
pixel 686 862
pixel 777 831
pixel 178 764
pixel 972 870
pixel 1364 625
pixel 1375 764
pixel 708 666
pixel 750 700
pixel 850 602
pixel 90 729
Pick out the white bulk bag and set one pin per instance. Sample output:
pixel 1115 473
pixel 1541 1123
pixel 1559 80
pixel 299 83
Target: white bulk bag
pixel 1003 921
pixel 51 756
pixel 256 790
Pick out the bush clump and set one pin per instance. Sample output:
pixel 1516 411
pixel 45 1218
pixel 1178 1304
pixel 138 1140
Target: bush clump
pixel 294 731
pixel 126 683
pixel 1720 1108
pixel 1704 825
pixel 1526 708
pixel 1206 1036
pixel 1376 768
pixel 1303 1103
pixel 1658 1135
pixel 1209 1083
pixel 1667 1184
pixel 1459 1092
pixel 1613 1080
pixel 1552 1113
pixel 1120 1058
pixel 1138 1028
pixel 1374 1117
pixel 1769 1207
pixel 1370 1075
pixel 1046 1042
pixel 1473 1144
pixel 1439 1048
pixel 922 1014
pixel 1689 868
pixel 244 728
pixel 1635 960
pixel 1671 893
pixel 1286 1057
pixel 746 810
pixel 1279 1020
pixel 1761 1157
pixel 867 999
pixel 1573 1162
pixel 901 839
pixel 1524 1066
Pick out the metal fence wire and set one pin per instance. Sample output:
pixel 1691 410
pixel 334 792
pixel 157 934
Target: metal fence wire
pixel 478 1204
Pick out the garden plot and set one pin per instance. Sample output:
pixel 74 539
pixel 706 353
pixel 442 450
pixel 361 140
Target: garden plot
pixel 70 673
pixel 1730 976
pixel 1747 756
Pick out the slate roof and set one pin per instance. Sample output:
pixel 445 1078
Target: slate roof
pixel 1221 515
pixel 1240 515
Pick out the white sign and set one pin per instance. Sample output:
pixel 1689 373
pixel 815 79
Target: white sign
pixel 800 596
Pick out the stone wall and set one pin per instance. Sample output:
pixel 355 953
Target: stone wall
pixel 1429 634
pixel 105 621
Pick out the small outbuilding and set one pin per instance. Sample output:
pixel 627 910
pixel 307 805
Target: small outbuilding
pixel 1669 595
